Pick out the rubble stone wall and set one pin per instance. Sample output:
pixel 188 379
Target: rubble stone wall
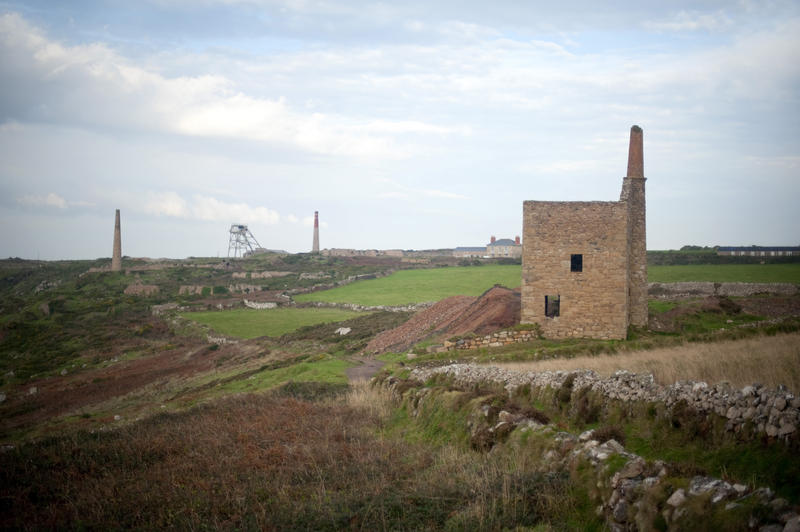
pixel 774 412
pixel 721 289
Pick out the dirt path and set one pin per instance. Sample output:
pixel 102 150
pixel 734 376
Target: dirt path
pixel 368 368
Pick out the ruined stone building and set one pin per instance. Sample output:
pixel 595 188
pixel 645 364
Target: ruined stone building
pixel 584 264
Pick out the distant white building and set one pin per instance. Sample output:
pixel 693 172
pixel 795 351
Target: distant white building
pixel 505 247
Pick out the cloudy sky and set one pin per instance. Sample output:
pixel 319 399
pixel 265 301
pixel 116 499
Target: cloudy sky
pixel 413 124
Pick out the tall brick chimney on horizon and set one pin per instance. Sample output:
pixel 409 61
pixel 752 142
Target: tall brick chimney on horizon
pixel 116 257
pixel 315 245
pixel 635 153
pixel 493 240
pixel 516 240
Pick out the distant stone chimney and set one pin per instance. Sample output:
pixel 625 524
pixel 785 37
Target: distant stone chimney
pixel 516 240
pixel 315 245
pixel 492 241
pixel 116 257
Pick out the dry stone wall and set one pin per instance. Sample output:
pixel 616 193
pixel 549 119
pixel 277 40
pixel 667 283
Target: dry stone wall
pixel 633 493
pixel 497 339
pixel 774 412
pixel 684 289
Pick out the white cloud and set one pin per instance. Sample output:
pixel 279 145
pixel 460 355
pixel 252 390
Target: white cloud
pixel 50 200
pixel 433 193
pixel 403 192
pixel 95 86
pixel 206 208
pixel 166 204
pixel 292 218
pixel 691 21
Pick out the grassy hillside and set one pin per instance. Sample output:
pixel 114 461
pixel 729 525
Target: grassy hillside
pixel 416 286
pixel 249 323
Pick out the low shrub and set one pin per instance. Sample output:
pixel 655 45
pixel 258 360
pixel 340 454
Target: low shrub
pixel 609 432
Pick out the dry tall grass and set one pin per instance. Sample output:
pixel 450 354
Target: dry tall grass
pixel 376 401
pixel 769 360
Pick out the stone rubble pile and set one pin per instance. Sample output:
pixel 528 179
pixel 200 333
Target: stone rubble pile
pixel 775 412
pixel 630 494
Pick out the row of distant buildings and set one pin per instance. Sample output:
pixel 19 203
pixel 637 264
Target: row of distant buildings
pixel 759 251
pixel 496 248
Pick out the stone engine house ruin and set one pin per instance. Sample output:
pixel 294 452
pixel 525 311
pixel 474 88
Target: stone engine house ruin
pixel 584 264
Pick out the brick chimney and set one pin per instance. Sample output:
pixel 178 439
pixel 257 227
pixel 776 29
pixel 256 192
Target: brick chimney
pixel 516 240
pixel 633 194
pixel 493 239
pixel 116 256
pixel 635 154
pixel 315 245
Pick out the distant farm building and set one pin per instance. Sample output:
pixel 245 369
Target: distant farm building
pixel 469 251
pixel 505 247
pixel 759 251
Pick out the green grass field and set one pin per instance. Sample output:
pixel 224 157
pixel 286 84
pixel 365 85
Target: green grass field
pixel 417 286
pixel 726 273
pixel 249 323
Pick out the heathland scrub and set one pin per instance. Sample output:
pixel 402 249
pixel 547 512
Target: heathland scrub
pixel 417 286
pixel 250 323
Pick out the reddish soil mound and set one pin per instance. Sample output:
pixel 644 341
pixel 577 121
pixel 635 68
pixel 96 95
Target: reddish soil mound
pixel 421 324
pixel 498 308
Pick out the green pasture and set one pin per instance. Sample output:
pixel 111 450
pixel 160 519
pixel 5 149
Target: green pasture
pixel 726 273
pixel 417 286
pixel 250 323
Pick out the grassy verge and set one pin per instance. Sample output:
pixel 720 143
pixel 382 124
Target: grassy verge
pixel 416 286
pixel 726 273
pixel 249 323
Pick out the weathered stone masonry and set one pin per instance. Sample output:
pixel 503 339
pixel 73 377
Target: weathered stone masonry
pixel 589 257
